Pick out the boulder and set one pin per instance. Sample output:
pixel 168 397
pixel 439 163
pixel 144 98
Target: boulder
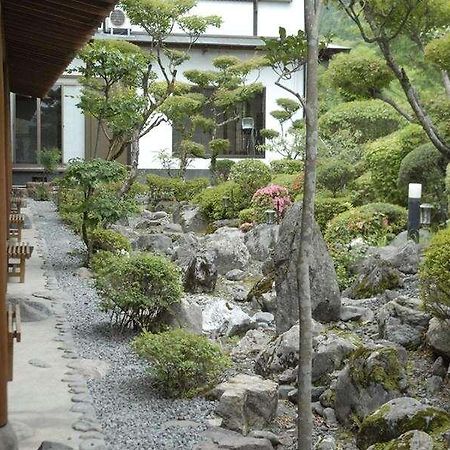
pixel 405 257
pixel 261 240
pixel 227 244
pixel 438 336
pixel 127 232
pixel 222 316
pixel 159 243
pixel 351 310
pixel 373 375
pixel 235 275
pixel 187 245
pixel 376 276
pixel 246 403
pixel 30 310
pixel 251 344
pixel 412 440
pixel 397 417
pixel 219 438
pixel 327 443
pixel 190 218
pixel 325 295
pixel 184 315
pixel 201 273
pixel 238 324
pixel 91 368
pixel 402 321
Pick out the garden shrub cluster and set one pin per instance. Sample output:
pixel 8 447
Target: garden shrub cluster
pixel 223 168
pixel 137 289
pixel 362 190
pixel 250 175
pixel 271 197
pixel 335 175
pixel 287 166
pixel 292 182
pixel 326 208
pixel 435 276
pixel 109 240
pixel 182 363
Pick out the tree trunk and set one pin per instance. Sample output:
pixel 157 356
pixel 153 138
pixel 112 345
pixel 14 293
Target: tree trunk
pixel 305 419
pixel 446 80
pixel 133 166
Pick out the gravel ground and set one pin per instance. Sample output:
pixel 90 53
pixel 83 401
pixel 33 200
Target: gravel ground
pixel 132 413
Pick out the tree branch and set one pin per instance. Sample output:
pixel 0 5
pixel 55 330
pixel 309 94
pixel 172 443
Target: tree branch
pixel 291 91
pixel 396 106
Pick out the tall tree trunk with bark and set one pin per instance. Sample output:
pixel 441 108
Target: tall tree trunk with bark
pixel 134 156
pixel 305 419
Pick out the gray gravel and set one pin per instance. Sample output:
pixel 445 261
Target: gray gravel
pixel 132 412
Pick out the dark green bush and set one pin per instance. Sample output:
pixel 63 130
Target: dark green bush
pixel 250 175
pixel 367 120
pixel 223 169
pixel 335 174
pixel 213 205
pixel 435 276
pixel 384 157
pixel 182 363
pixel 362 190
pixel 109 240
pixel 248 215
pixel 374 222
pixel 167 188
pixel 326 208
pixel 287 166
pixel 137 289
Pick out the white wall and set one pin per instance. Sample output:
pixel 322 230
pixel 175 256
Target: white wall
pixel 73 124
pixel 161 137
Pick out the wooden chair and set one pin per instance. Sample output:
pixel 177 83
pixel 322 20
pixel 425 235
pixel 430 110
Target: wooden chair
pixel 17 203
pixel 17 254
pixel 16 222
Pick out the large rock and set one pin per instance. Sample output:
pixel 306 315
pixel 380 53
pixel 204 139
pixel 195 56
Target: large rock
pixel 261 240
pixel 190 218
pixel 438 336
pixel 376 276
pixel 184 315
pixel 397 417
pixel 325 296
pixel 405 257
pixel 373 375
pixel 251 344
pixel 159 243
pixel 229 440
pixel 227 244
pixel 402 321
pixel 412 440
pixel 246 403
pixel 282 354
pixel 187 245
pixel 201 273
pixel 220 316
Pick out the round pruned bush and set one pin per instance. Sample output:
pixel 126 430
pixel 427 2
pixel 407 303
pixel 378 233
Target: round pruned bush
pixel 271 197
pixel 183 364
pixel 363 191
pixel 248 215
pixel 223 169
pixel 335 175
pixel 326 208
pixel 435 276
pixel 374 222
pixel 137 290
pixel 250 175
pixel 287 166
pixel 109 240
pixel 292 182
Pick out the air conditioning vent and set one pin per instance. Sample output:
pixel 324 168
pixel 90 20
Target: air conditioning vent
pixel 117 18
pixel 117 23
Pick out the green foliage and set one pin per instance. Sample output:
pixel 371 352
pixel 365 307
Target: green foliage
pixel 435 276
pixel 49 159
pixel 213 205
pixel 363 191
pixel 250 174
pixel 374 222
pixel 384 156
pixel 167 188
pixel 326 208
pixel 293 183
pixel 248 215
pixel 109 240
pixel 286 166
pixel 136 290
pixel 438 52
pixel 223 169
pixel 367 120
pixel 358 74
pixel 182 363
pixel 335 175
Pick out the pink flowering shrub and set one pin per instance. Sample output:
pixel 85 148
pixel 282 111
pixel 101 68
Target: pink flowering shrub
pixel 273 197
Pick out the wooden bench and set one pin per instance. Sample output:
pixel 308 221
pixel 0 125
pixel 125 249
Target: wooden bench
pixel 17 254
pixel 17 203
pixel 16 222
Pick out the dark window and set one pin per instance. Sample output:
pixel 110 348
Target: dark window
pixel 37 125
pixel 243 144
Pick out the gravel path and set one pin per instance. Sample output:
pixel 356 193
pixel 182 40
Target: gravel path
pixel 132 413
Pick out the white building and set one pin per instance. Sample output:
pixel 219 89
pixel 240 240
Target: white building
pixel 56 121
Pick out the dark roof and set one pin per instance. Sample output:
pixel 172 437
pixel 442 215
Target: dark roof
pixel 42 38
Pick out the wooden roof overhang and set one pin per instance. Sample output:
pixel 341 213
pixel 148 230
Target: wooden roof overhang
pixel 42 37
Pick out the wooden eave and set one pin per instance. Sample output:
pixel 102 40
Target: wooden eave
pixel 42 38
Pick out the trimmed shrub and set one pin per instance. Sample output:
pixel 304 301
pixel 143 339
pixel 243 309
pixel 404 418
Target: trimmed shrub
pixel 177 189
pixel 248 215
pixel 109 240
pixel 335 174
pixel 293 183
pixel 287 166
pixel 183 364
pixel 435 276
pixel 138 289
pixel 223 169
pixel 362 190
pixel 271 197
pixel 213 206
pixel 326 208
pixel 250 175
pixel 384 157
pixel 374 222
pixel 367 120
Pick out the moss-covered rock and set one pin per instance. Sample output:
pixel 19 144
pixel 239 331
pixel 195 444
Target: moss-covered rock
pixel 412 440
pixel 399 416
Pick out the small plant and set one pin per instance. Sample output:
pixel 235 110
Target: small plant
pixel 271 197
pixel 182 363
pixel 137 289
pixel 248 215
pixel 109 240
pixel 223 169
pixel 49 159
pixel 435 276
pixel 250 175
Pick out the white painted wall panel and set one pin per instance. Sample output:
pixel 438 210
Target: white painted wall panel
pixel 73 124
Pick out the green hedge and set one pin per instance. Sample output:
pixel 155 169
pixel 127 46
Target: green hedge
pixel 287 166
pixel 109 240
pixel 326 208
pixel 250 175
